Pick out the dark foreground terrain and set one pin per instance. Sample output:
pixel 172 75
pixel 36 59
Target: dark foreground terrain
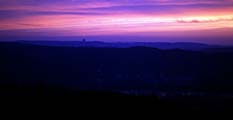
pixel 168 79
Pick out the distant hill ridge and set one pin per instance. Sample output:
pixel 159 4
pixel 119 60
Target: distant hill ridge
pixel 159 45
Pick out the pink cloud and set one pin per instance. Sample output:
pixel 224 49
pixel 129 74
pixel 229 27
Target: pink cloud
pixel 72 18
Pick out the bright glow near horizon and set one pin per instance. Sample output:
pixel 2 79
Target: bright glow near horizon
pixel 116 17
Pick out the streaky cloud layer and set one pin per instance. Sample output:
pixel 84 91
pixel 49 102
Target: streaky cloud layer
pixel 117 17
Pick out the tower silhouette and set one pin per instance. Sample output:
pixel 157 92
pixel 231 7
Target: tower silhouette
pixel 83 40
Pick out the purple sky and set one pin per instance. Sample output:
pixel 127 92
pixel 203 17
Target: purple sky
pixel 205 21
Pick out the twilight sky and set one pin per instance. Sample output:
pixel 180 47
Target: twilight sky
pixel 207 21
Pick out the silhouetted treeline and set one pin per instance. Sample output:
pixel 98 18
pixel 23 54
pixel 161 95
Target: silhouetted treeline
pixel 113 69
